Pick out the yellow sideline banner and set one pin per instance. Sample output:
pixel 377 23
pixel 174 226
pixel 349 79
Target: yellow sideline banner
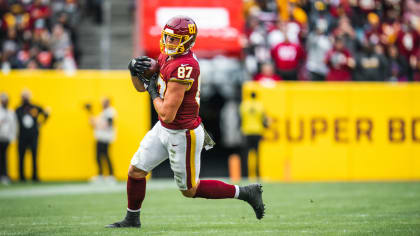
pixel 340 131
pixel 66 143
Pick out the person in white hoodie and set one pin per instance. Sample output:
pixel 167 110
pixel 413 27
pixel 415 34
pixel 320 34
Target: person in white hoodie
pixel 7 135
pixel 104 132
pixel 318 44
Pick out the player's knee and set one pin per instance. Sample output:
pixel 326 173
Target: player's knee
pixel 189 192
pixel 135 172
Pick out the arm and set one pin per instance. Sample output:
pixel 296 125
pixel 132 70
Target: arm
pixel 92 121
pixel 266 121
pixel 351 62
pixel 96 123
pixel 169 105
pixel 18 116
pixel 14 126
pixel 44 112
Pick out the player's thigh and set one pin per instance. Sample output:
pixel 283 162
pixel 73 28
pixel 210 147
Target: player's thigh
pixel 151 151
pixel 185 156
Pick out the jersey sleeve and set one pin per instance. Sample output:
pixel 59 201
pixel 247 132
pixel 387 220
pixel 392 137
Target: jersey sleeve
pixel 184 73
pixel 160 59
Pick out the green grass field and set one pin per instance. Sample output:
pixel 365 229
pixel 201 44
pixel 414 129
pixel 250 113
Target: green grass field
pixel 292 209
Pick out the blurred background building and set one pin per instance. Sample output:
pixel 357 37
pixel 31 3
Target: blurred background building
pixel 265 41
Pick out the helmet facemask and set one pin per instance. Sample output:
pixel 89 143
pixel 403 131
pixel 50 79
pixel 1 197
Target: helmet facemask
pixel 174 49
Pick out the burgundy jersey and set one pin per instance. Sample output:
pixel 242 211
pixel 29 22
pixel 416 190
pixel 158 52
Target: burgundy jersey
pixel 408 42
pixel 287 55
pixel 183 69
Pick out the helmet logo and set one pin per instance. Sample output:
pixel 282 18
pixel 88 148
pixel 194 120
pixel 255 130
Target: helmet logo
pixel 191 28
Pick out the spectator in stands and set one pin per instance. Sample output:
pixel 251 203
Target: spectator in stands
pixel 291 29
pixel 267 74
pixel 261 16
pixel 66 19
pixel 415 65
pixel 10 47
pixel 390 27
pixel 296 13
pixel 15 17
pixel 23 56
pixel 370 66
pixel 373 34
pixel 392 9
pixel 397 65
pixel 255 45
pixel 60 42
pixel 40 13
pixel 345 31
pixel 7 135
pixel 41 38
pixel 276 35
pixel 33 64
pixel 318 44
pixel 25 28
pixel 104 130
pixel 295 20
pixel 382 23
pixel 265 10
pixel 319 11
pixel 412 10
pixel 408 42
pixel 288 58
pixel 368 6
pixel 29 120
pixel 339 61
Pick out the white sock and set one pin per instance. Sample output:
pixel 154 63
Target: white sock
pixel 138 210
pixel 237 191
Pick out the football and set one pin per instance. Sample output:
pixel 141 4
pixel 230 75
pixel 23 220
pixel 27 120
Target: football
pixel 154 67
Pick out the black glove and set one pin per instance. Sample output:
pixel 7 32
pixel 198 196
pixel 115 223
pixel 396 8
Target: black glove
pixel 139 65
pixel 152 88
pixel 144 80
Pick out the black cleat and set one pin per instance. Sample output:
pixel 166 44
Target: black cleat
pixel 253 195
pixel 131 220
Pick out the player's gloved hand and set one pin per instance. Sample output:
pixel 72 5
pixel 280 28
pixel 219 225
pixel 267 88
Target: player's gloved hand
pixel 152 87
pixel 139 65
pixel 144 80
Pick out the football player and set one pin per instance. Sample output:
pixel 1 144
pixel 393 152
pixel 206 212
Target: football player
pixel 178 135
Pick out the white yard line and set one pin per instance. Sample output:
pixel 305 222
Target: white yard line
pixel 82 188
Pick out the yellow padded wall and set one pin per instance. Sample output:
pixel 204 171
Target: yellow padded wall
pixel 340 131
pixel 66 143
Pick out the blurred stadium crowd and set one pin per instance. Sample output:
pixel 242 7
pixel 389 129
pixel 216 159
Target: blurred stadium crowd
pixel 333 40
pixel 39 34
